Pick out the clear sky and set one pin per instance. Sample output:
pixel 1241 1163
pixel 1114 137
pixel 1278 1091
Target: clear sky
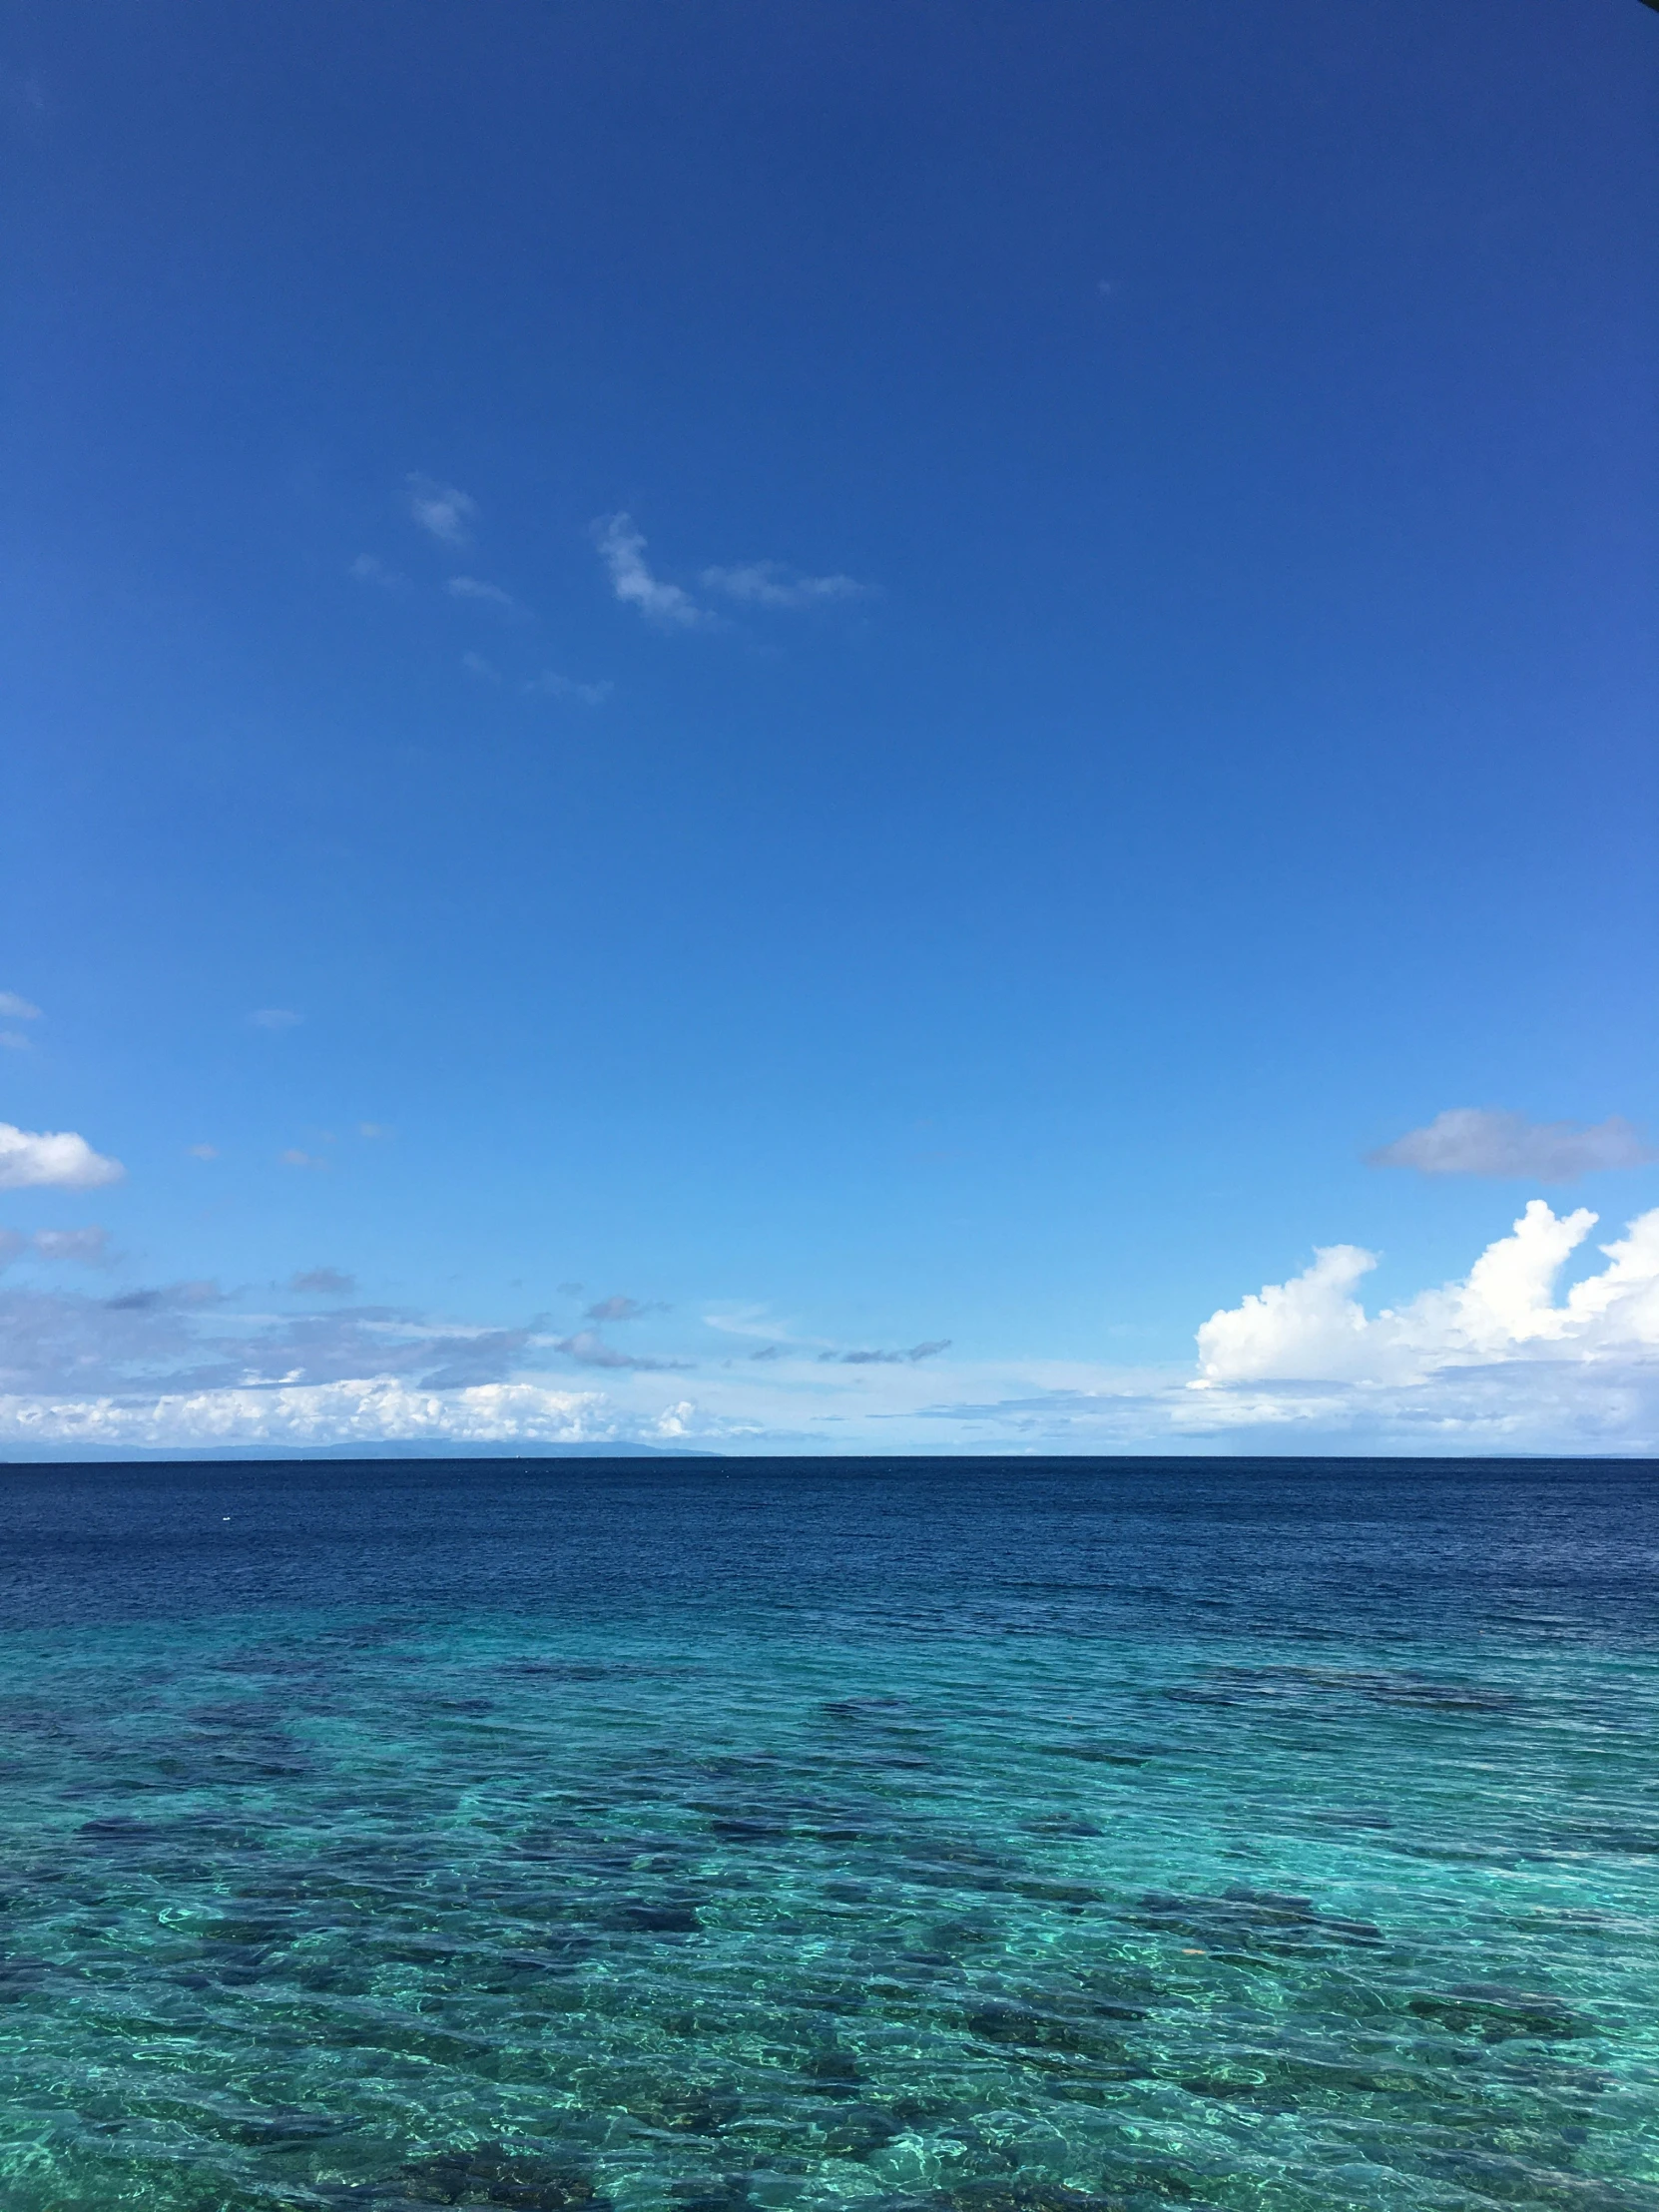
pixel 798 723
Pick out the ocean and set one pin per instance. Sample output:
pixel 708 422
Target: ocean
pixel 910 1836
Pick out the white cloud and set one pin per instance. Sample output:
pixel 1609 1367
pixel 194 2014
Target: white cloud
pixel 17 1008
pixel 550 685
pixel 482 594
pixel 368 568
pixel 622 549
pixel 439 508
pixel 52 1161
pixel 1308 1326
pixel 771 584
pixel 476 665
pixel 775 584
pixel 1313 1329
pixel 274 1017
pixel 295 1158
pixel 13 1040
pixel 1481 1139
pixel 204 1151
pixel 379 1410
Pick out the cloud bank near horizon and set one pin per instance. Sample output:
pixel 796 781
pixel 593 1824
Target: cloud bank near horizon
pixel 1494 1361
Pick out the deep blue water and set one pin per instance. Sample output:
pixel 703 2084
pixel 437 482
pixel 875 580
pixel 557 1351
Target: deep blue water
pixel 1012 1835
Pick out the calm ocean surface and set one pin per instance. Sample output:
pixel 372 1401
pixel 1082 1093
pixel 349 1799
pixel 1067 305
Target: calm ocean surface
pixel 1010 1835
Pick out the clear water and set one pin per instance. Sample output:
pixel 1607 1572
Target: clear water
pixel 1012 1835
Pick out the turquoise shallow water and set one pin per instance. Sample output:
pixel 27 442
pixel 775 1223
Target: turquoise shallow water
pixel 1012 1837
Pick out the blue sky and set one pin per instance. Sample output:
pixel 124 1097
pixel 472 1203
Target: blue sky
pixel 870 678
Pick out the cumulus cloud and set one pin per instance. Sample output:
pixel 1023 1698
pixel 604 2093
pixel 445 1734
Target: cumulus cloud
pixel 775 584
pixel 1313 1329
pixel 484 595
pixel 1513 1356
pixel 622 549
pixel 377 1410
pixel 274 1017
pixel 368 568
pixel 1483 1140
pixel 446 513
pixel 551 685
pixel 52 1160
pixel 323 1283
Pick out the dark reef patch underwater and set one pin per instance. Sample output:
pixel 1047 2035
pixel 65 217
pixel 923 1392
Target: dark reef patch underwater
pixel 920 1837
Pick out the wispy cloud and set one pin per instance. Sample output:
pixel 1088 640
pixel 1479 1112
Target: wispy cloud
pixel 372 1129
pixel 482 594
pixel 624 1309
pixel 52 1160
pixel 368 568
pixel 916 1352
pixel 274 1017
pixel 17 1008
pixel 184 1335
pixel 476 665
pixel 293 1157
pixel 13 1040
pixel 323 1283
pixel 203 1151
pixel 23 94
pixel 441 510
pixel 622 549
pixel 87 1248
pixel 551 685
pixel 775 584
pixel 190 1297
pixel 1481 1140
pixel 590 1349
